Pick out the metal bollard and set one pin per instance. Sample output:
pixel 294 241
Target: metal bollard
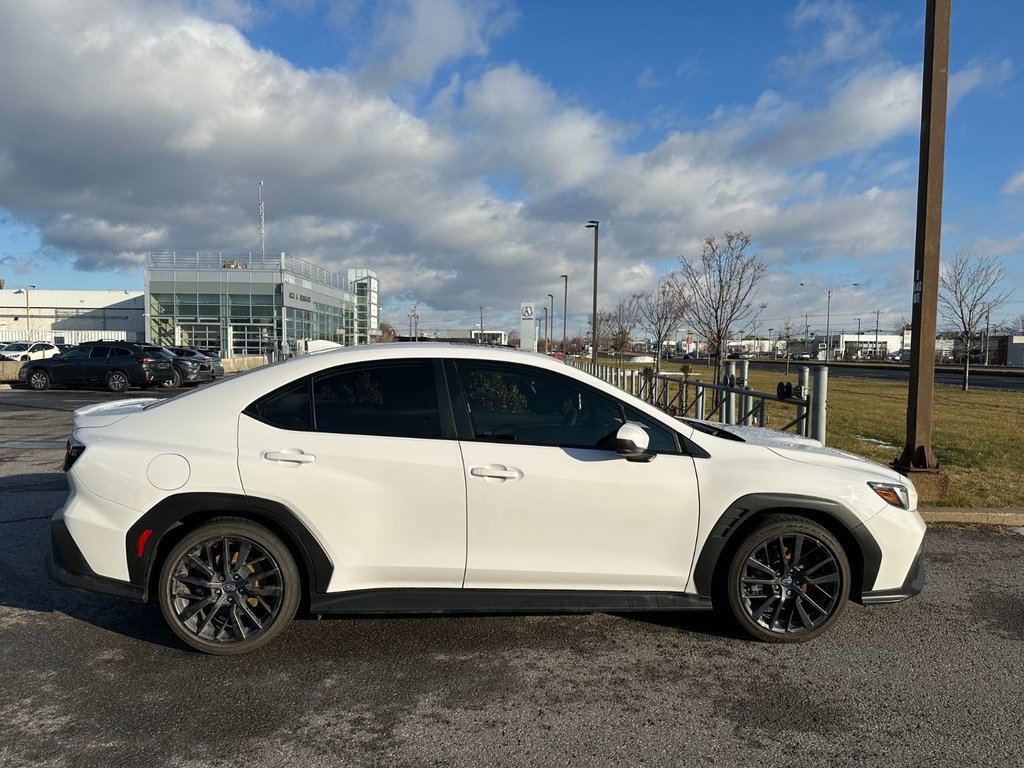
pixel 819 403
pixel 804 379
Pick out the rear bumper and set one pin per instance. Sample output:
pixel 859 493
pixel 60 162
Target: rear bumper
pixel 911 586
pixel 66 565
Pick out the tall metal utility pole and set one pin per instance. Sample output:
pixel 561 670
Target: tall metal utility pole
pixel 877 313
pixel 917 450
pixel 263 225
pixel 565 308
pixel 596 226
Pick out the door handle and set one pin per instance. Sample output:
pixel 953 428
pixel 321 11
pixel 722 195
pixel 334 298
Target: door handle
pixel 496 472
pixel 290 456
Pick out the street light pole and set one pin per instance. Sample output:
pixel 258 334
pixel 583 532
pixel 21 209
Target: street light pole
pixel 551 323
pixel 596 226
pixel 545 329
pixel 565 305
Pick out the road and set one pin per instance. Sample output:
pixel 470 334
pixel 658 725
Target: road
pixel 980 380
pixel 91 681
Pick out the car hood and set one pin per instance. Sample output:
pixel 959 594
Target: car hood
pixel 103 414
pixel 809 451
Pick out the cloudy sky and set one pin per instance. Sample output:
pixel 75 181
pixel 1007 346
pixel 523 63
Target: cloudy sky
pixel 458 146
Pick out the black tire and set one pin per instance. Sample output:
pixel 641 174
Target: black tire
pixel 117 381
pixel 38 379
pixel 222 606
pixel 786 582
pixel 172 383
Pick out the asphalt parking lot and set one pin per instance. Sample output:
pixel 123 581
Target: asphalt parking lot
pixel 92 681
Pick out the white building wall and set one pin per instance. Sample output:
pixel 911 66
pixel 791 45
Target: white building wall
pixel 70 316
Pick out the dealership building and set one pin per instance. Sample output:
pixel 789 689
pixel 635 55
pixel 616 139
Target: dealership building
pixel 255 304
pixel 235 304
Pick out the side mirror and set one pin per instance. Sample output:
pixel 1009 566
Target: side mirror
pixel 631 443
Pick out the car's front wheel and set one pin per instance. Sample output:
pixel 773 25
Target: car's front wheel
pixel 174 382
pixel 117 381
pixel 787 581
pixel 39 380
pixel 229 587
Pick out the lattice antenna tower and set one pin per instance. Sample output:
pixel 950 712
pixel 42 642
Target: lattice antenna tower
pixel 263 225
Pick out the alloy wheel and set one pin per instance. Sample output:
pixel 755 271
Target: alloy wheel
pixel 117 381
pixel 229 587
pixel 790 584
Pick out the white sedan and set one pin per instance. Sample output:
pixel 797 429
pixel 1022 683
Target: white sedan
pixel 433 478
pixel 28 350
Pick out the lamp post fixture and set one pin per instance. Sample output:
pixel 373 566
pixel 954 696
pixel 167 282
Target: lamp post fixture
pixel 565 305
pixel 28 311
pixel 596 226
pixel 828 313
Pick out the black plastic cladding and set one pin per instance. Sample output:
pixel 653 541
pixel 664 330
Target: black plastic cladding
pixel 824 511
pixel 174 509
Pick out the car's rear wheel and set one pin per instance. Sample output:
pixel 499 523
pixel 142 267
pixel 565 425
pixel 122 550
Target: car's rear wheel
pixel 787 581
pixel 173 383
pixel 229 587
pixel 117 381
pixel 39 380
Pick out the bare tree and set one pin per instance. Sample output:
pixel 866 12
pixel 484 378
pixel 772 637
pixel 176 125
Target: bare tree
pixel 387 333
pixel 622 321
pixel 720 286
pixel 1017 324
pixel 604 325
pixel 660 312
pixel 970 289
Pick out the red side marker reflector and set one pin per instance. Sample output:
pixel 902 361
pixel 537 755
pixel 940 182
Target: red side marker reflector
pixel 143 538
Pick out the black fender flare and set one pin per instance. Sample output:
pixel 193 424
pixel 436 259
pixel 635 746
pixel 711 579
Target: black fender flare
pixel 840 520
pixel 186 508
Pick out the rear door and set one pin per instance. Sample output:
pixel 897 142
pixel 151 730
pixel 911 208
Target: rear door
pixel 368 460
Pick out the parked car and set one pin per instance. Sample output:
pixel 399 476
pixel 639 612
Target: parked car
pixel 188 369
pixel 397 478
pixel 117 365
pixel 28 350
pixel 194 353
pixel 642 359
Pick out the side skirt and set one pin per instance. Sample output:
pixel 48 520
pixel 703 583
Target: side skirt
pixel 419 601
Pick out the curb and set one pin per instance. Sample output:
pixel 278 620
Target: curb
pixel 979 516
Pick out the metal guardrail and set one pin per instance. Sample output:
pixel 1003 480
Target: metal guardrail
pixel 732 401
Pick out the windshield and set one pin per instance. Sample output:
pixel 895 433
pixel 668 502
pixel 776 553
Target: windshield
pixel 14 348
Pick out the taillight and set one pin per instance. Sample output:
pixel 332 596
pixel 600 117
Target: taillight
pixel 72 450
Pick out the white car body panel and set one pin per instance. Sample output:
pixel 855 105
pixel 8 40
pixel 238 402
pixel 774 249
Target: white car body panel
pixel 390 512
pixel 578 519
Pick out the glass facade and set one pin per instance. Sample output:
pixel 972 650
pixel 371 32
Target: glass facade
pixel 256 305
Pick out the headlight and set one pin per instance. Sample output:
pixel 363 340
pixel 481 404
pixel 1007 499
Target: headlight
pixel 892 493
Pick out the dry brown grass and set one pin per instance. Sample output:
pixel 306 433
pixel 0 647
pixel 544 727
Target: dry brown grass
pixel 977 436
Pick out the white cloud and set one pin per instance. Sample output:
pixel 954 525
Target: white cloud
pixel 647 80
pixel 1014 184
pixel 417 37
pixel 844 36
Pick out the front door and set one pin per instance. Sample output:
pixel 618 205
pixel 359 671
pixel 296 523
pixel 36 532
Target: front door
pixel 550 503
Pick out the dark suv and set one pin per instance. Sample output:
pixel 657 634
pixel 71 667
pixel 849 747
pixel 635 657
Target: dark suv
pixel 117 365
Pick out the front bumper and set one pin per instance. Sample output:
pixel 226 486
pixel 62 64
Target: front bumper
pixel 911 586
pixel 66 565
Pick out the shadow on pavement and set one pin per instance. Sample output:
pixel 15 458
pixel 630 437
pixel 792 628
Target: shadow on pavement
pixel 27 502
